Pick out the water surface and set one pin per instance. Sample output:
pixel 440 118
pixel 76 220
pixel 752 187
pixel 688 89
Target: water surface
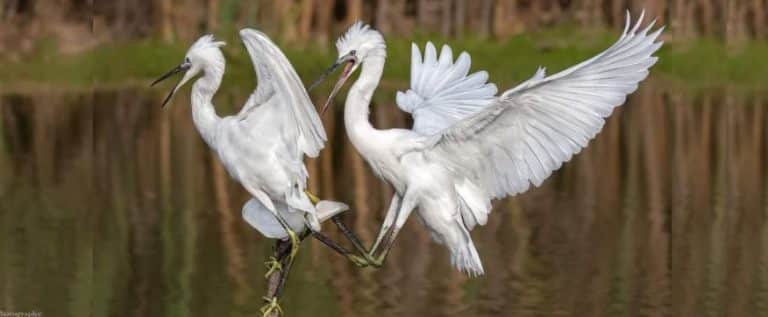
pixel 110 206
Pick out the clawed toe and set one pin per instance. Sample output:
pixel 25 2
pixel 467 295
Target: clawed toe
pixel 273 265
pixel 271 306
pixel 359 261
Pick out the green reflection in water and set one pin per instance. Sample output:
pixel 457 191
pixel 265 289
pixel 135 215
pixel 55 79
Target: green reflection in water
pixel 112 207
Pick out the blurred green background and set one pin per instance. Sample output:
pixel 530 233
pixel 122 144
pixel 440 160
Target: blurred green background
pixel 111 206
pixel 77 43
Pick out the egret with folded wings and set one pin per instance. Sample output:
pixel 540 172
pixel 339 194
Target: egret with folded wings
pixel 263 146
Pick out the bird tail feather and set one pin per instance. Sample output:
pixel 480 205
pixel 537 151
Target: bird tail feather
pixel 327 209
pixel 466 259
pixel 324 210
pixel 263 220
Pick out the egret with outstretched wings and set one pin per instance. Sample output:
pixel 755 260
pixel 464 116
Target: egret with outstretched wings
pixel 467 145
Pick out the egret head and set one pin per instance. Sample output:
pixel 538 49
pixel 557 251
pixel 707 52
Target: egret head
pixel 357 45
pixel 203 56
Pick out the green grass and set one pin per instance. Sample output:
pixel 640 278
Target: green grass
pixel 699 63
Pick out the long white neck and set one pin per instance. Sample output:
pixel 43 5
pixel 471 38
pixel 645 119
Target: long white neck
pixel 203 113
pixel 356 108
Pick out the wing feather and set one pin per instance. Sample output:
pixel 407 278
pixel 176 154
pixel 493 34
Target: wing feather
pixel 442 92
pixel 533 128
pixel 277 78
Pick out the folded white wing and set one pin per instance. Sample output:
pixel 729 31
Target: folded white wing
pixel 533 128
pixel 277 78
pixel 441 91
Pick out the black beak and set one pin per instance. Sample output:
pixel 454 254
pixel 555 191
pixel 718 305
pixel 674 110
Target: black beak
pixel 324 75
pixel 349 61
pixel 176 70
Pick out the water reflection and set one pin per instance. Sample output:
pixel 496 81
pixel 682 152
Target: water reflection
pixel 112 206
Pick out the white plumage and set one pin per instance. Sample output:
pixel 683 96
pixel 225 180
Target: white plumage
pixel 531 129
pixel 467 145
pixel 263 146
pixel 441 91
pixel 278 78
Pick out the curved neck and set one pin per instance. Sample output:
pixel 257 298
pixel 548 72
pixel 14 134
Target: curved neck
pixel 203 113
pixel 356 108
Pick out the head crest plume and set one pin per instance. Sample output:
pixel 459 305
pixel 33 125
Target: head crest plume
pixel 358 34
pixel 207 41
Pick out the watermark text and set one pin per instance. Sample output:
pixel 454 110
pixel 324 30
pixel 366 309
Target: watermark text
pixel 20 313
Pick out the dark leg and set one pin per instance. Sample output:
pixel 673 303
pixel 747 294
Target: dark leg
pixel 407 204
pixel 362 259
pixel 278 278
pixel 287 262
pixel 351 236
pixel 357 260
pixel 389 240
pixel 331 243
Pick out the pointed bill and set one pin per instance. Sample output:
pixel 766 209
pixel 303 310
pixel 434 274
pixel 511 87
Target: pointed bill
pixel 336 88
pixel 174 71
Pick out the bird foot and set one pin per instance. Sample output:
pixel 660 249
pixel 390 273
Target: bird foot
pixel 359 261
pixel 273 265
pixel 376 262
pixel 295 241
pixel 314 199
pixel 272 306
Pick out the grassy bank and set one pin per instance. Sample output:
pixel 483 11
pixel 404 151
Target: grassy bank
pixel 694 64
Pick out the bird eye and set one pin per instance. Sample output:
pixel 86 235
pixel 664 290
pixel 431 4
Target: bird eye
pixel 186 60
pixel 353 52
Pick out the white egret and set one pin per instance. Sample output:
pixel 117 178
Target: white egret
pixel 262 147
pixel 467 145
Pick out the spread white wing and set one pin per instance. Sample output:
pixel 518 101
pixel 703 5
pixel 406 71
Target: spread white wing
pixel 530 130
pixel 441 91
pixel 278 79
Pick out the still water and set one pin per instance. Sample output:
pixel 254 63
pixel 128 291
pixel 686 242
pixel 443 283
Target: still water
pixel 110 206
